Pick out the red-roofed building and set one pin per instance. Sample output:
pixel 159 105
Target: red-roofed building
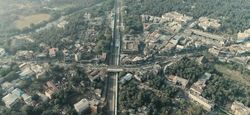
pixel 146 26
pixel 153 34
pixel 52 86
pixel 52 52
pixel 171 77
pixel 104 55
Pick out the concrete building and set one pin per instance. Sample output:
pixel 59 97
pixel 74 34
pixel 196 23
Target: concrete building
pixel 26 98
pixel 2 52
pixel 181 81
pixel 243 36
pixel 42 96
pixel 198 86
pixel 78 56
pixel 206 23
pixel 126 78
pixel 49 93
pixel 7 86
pixel 238 108
pixel 175 16
pixel 82 105
pixel 130 44
pixel 204 102
pixel 10 100
pixel 52 52
pixel 26 73
pixel 17 92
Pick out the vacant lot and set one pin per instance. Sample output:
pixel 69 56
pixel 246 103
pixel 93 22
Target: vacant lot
pixel 26 21
pixel 230 74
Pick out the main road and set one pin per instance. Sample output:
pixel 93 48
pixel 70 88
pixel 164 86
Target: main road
pixel 114 60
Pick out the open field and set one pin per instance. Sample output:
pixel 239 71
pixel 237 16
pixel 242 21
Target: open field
pixel 230 74
pixel 26 21
pixel 65 7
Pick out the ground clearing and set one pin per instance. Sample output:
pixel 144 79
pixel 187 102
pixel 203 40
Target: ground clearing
pixel 65 7
pixel 230 74
pixel 27 20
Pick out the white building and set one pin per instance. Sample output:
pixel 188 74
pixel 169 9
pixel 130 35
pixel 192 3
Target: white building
pixel 26 73
pixel 26 98
pixel 9 100
pixel 17 92
pixel 204 102
pixel 82 105
pixel 179 80
pixel 7 86
pixel 49 93
pixel 243 36
pixel 239 108
pixel 2 52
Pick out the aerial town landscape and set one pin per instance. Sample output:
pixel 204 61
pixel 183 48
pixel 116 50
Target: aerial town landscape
pixel 120 57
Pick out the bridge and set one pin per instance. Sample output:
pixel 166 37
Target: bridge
pixel 114 70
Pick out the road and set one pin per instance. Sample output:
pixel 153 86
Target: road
pixel 114 60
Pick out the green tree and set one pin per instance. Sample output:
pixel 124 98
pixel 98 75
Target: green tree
pixel 27 110
pixel 11 76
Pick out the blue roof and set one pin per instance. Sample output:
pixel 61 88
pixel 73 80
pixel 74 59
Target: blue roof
pixel 128 77
pixel 164 37
pixel 177 37
pixel 123 81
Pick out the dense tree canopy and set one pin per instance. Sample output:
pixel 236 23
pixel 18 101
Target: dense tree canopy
pixel 233 14
pixel 189 69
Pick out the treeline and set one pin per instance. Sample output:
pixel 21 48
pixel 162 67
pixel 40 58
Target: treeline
pixel 130 97
pixel 189 69
pixel 132 20
pixel 233 14
pixel 221 91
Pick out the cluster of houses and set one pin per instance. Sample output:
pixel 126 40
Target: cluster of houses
pixel 14 97
pixel 195 90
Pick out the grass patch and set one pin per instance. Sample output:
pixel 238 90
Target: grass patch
pixel 65 7
pixel 230 74
pixel 27 20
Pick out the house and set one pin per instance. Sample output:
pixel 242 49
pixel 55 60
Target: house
pixel 42 96
pixel 238 108
pixel 66 52
pixel 93 105
pixel 204 102
pixel 78 56
pixel 137 60
pixel 2 52
pixel 17 92
pixel 198 86
pixel 206 23
pixel 202 60
pixel 181 81
pixel 171 77
pixel 52 87
pixel 243 36
pixel 103 58
pixel 10 100
pixel 7 86
pixel 49 93
pixel 98 92
pixel 82 105
pixel 27 98
pixel 26 73
pixel 126 78
pixel 52 52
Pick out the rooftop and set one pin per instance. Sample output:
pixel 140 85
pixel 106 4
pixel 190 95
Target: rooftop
pixel 9 99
